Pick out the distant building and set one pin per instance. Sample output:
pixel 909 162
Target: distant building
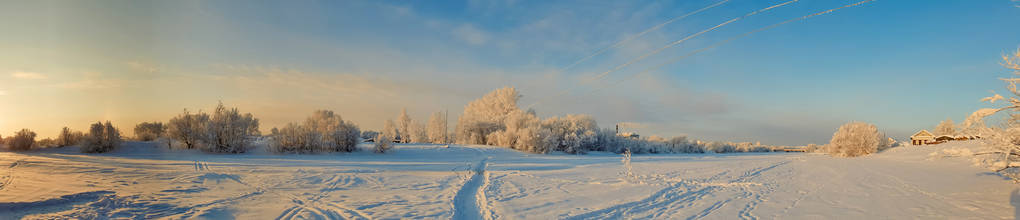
pixel 944 138
pixel 922 137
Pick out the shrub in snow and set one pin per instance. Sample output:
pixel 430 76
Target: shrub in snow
pixel 149 131
pixel 384 142
pixel 21 141
pixel 101 138
pixel 188 129
pixel 857 139
pixel 68 137
pixel 228 131
pixel 323 131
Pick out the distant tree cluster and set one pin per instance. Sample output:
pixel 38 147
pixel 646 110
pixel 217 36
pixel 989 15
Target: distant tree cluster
pixel 225 131
pixel 495 119
pixel 323 131
pixel 101 138
pixel 69 137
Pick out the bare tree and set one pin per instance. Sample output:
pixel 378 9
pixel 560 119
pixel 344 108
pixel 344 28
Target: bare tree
pixel 404 127
pixel 68 137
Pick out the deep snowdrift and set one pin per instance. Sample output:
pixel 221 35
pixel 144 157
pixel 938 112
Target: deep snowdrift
pixel 143 180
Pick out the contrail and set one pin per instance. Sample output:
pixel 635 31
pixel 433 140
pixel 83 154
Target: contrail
pixel 642 57
pixel 732 39
pixel 656 27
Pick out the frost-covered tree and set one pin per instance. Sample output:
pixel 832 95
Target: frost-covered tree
pixel 295 138
pixel 945 128
pixel 418 133
pixel 1005 141
pixel 857 139
pixel 188 129
pixel 149 131
pixel 404 126
pixel 68 137
pixel 384 142
pixel 229 131
pixel 436 130
pixel 101 138
pixel 21 141
pixel 486 115
pixel 574 134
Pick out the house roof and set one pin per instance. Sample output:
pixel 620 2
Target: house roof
pixel 923 133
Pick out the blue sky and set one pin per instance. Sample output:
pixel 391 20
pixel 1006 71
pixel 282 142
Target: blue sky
pixel 902 65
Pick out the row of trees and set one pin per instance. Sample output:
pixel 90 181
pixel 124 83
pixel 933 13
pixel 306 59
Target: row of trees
pixel 101 138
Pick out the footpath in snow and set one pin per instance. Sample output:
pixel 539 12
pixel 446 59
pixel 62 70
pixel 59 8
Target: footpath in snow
pixel 142 180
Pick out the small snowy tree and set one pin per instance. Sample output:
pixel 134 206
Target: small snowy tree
pixel 101 138
pixel 384 142
pixel 21 141
pixel 149 131
pixel 418 133
pixel 856 139
pixel 436 131
pixel 404 126
pixel 945 128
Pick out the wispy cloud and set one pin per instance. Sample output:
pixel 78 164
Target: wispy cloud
pixel 27 75
pixel 471 35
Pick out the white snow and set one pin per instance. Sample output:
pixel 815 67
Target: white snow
pixel 144 180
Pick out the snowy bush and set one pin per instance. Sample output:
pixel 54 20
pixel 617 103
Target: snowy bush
pixel 323 131
pixel 21 141
pixel 384 142
pixel 188 129
pixel 229 131
pixel 149 131
pixel 857 139
pixel 68 137
pixel 101 138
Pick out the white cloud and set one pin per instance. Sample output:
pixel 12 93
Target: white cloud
pixel 471 35
pixel 27 75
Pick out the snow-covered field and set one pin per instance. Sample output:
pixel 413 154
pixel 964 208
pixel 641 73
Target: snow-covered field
pixel 142 180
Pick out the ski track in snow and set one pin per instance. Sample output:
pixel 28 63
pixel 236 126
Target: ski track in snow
pixel 470 201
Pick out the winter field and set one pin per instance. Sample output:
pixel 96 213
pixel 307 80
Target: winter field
pixel 143 180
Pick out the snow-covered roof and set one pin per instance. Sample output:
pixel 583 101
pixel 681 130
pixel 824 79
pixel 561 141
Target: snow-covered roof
pixel 923 133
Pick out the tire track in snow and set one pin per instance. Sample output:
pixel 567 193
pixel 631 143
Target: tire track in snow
pixel 675 196
pixel 469 203
pixel 10 175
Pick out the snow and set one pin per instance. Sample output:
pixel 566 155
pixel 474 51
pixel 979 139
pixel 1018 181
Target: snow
pixel 144 180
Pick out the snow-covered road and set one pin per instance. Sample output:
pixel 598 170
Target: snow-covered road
pixel 479 182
